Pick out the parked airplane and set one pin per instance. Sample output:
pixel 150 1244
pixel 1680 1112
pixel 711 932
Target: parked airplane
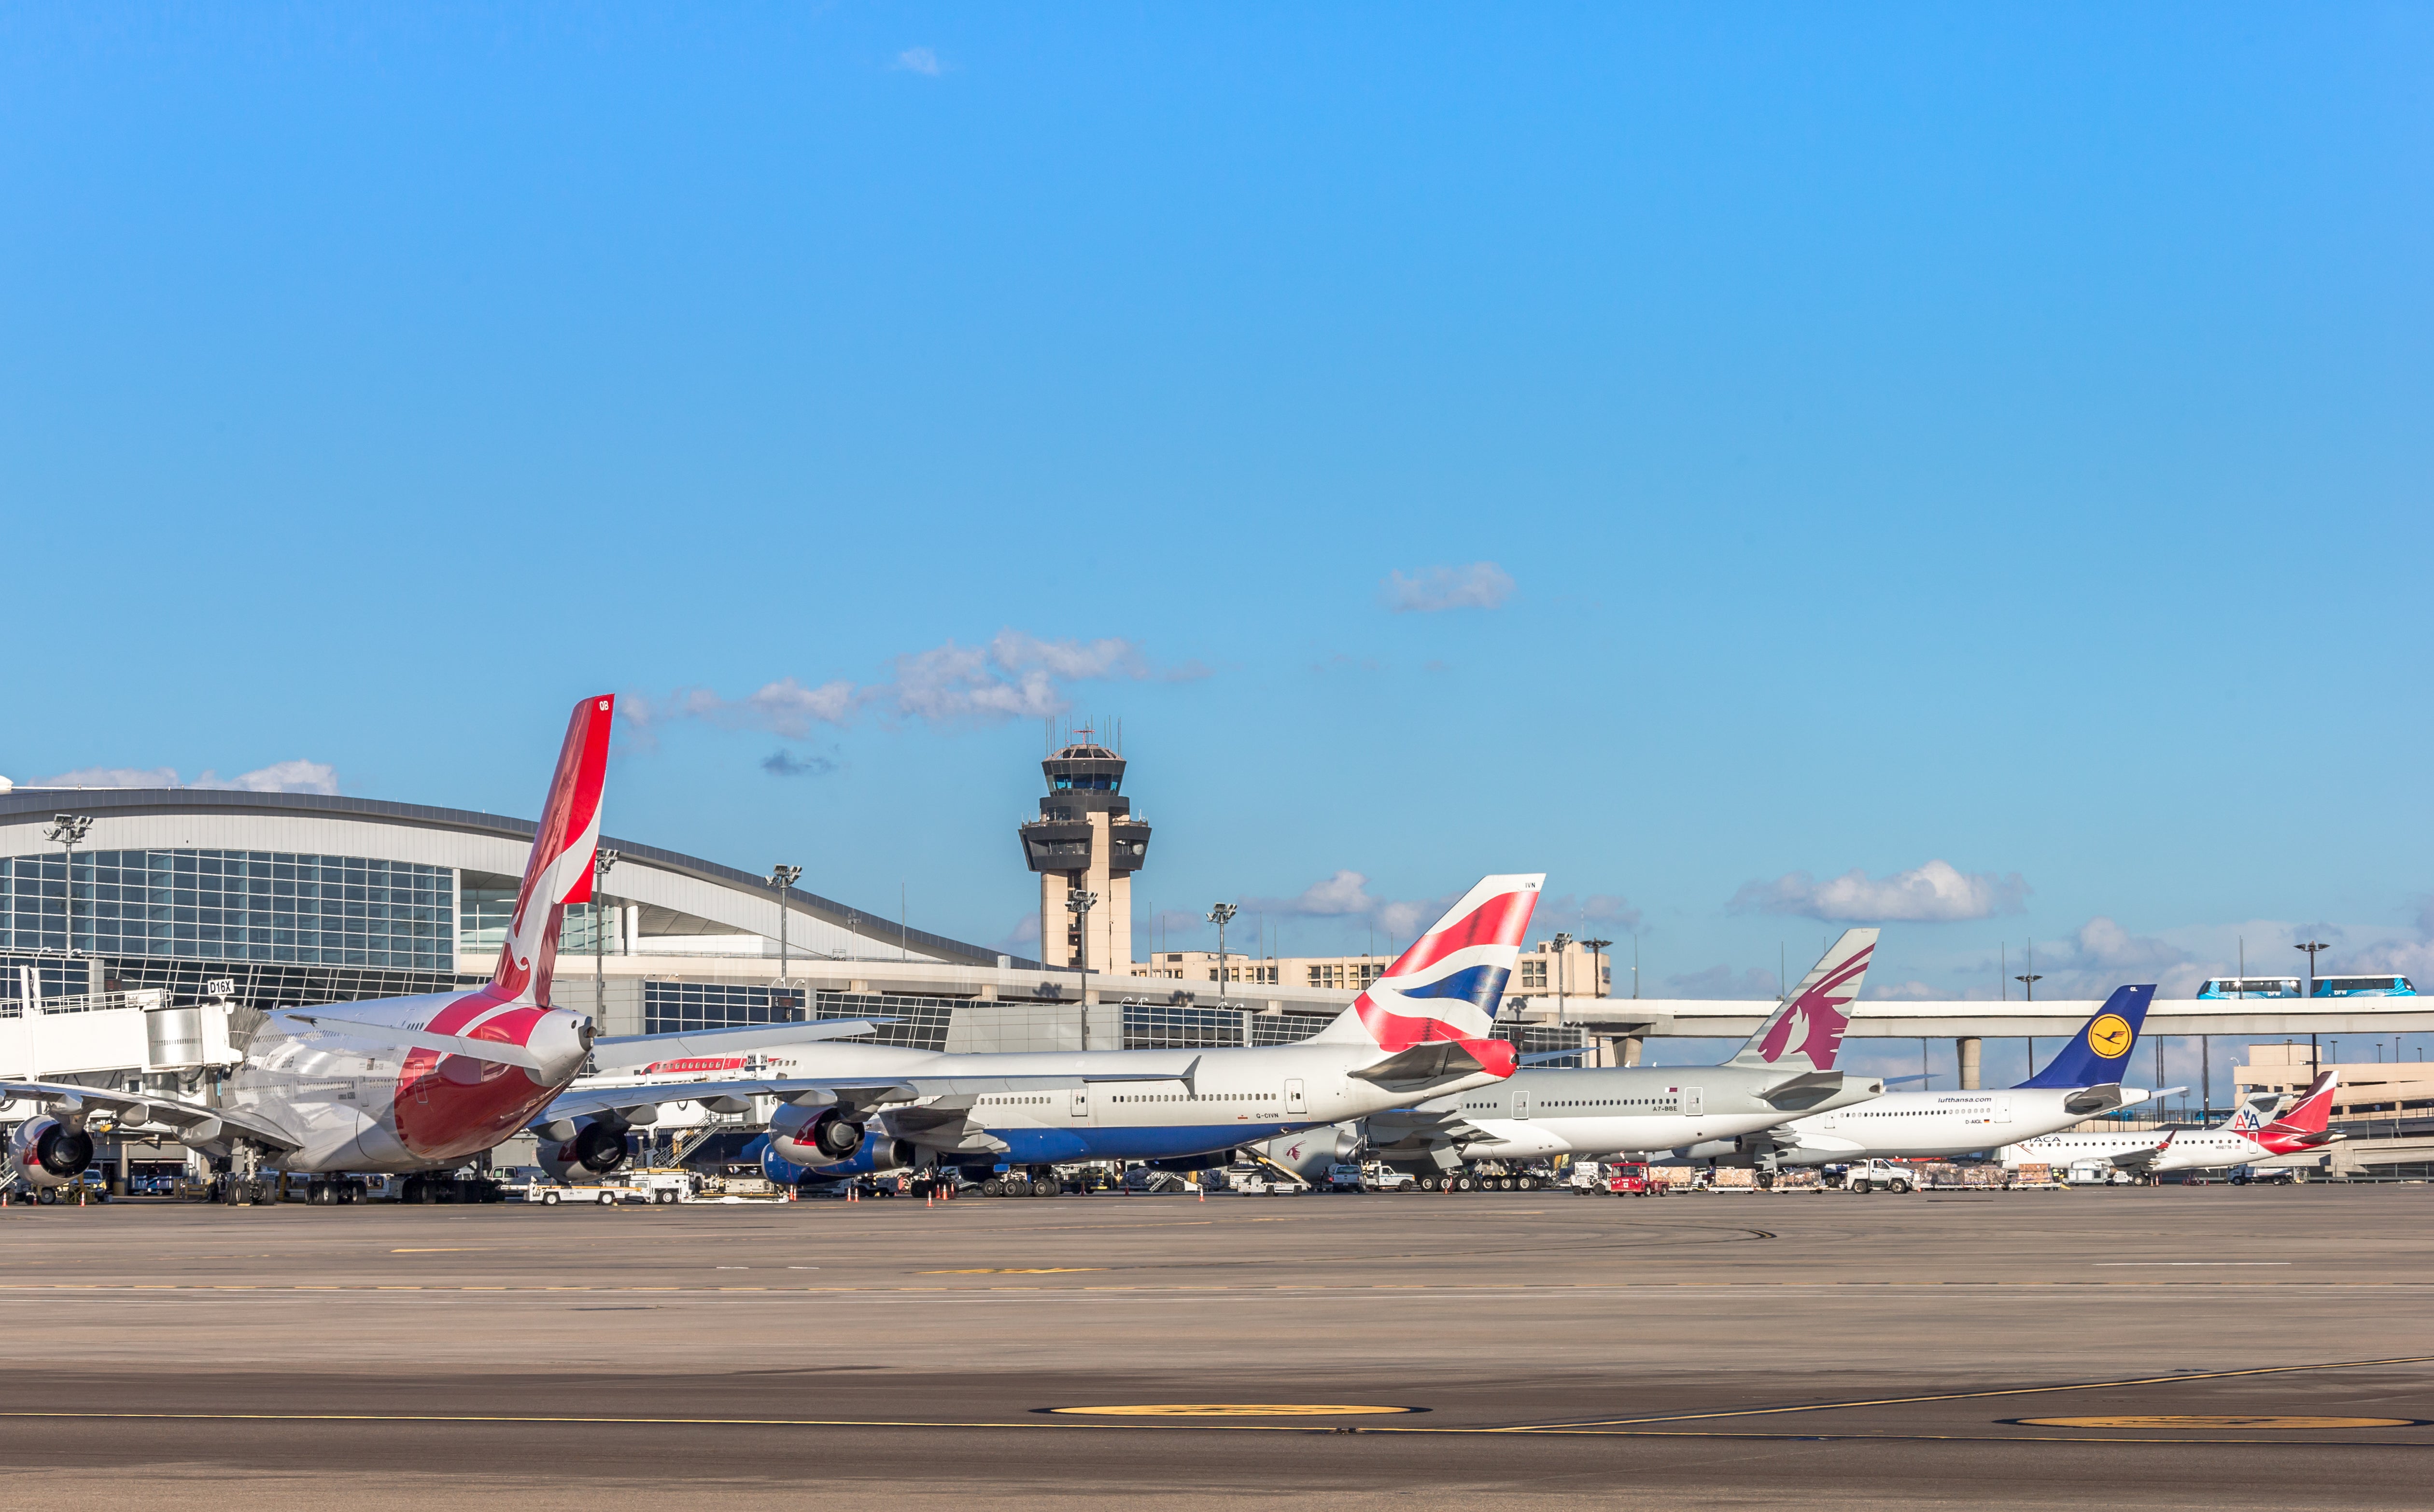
pixel 1424 1029
pixel 413 1084
pixel 2251 1134
pixel 1786 1068
pixel 2081 1082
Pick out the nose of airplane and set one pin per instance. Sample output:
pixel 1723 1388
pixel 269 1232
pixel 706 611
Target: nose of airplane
pixel 561 1040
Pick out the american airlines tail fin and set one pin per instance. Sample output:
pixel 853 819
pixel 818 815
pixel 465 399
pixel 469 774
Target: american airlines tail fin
pixel 560 869
pixel 2250 1117
pixel 1808 1029
pixel 2096 1055
pixel 1443 991
pixel 2310 1121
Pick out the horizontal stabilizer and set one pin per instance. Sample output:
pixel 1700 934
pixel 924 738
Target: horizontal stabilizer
pixel 498 1051
pixel 2097 1099
pixel 1432 1060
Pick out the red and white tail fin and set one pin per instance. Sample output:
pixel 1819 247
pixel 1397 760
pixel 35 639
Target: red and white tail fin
pixel 560 869
pixel 1808 1029
pixel 1448 985
pixel 2310 1121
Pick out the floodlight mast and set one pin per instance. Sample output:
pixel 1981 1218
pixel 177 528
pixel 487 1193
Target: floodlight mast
pixel 1220 915
pixel 783 878
pixel 67 832
pixel 1079 902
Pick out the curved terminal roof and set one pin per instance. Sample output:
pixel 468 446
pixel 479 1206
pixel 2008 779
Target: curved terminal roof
pixel 667 884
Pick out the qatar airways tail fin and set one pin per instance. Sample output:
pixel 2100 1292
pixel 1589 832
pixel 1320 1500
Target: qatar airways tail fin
pixel 2310 1121
pixel 1435 1007
pixel 1806 1032
pixel 560 869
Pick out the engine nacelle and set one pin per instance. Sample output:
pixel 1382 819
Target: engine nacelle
pixel 817 1137
pixel 594 1149
pixel 48 1153
pixel 807 1151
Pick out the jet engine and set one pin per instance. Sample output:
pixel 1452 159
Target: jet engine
pixel 876 1152
pixel 592 1149
pixel 817 1138
pixel 48 1153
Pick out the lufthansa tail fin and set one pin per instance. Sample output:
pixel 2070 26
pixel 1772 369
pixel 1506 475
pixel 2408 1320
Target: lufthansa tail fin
pixel 1808 1029
pixel 2096 1055
pixel 558 871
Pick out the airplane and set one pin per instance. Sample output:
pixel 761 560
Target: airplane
pixel 2081 1082
pixel 2251 1134
pixel 1786 1068
pixel 413 1085
pixel 1424 1029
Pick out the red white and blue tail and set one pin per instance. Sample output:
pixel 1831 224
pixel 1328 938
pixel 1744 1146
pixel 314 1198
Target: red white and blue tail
pixel 560 869
pixel 1446 987
pixel 2308 1122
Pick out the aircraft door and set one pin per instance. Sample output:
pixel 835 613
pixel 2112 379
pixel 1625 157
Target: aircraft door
pixel 1082 1101
pixel 1694 1101
pixel 1521 1102
pixel 1293 1101
pixel 2003 1108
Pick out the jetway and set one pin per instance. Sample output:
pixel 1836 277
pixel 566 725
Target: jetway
pixel 107 1034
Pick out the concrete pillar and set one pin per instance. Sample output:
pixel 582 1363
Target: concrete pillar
pixel 1966 1050
pixel 1631 1048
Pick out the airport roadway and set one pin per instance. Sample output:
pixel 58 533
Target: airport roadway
pixel 2196 1347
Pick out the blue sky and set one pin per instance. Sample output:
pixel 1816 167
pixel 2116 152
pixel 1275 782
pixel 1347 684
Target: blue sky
pixel 1686 452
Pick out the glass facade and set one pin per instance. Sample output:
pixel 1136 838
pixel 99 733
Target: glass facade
pixel 483 914
pixel 670 1007
pixel 1534 1039
pixel 1172 1026
pixel 234 906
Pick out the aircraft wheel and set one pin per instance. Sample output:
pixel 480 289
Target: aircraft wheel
pixel 1529 1183
pixel 992 1188
pixel 1464 1183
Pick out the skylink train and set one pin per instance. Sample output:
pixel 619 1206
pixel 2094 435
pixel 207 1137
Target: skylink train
pixel 2291 986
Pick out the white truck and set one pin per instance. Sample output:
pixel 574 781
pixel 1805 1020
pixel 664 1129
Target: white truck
pixel 1864 1176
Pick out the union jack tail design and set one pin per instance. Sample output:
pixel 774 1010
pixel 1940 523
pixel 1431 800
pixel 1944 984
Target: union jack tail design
pixel 559 870
pixel 1808 1029
pixel 2310 1121
pixel 1446 987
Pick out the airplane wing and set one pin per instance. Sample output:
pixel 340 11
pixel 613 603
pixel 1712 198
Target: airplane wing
pixel 190 1123
pixel 733 1096
pixel 642 1049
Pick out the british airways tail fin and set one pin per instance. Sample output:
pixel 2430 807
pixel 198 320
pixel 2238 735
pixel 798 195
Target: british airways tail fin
pixel 1808 1029
pixel 560 869
pixel 1445 990
pixel 2096 1055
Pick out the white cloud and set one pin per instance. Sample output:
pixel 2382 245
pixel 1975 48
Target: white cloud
pixel 1934 893
pixel 919 60
pixel 1016 675
pixel 1345 897
pixel 1434 589
pixel 279 776
pixel 1601 908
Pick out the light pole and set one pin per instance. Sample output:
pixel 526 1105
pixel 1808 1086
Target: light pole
pixel 601 862
pixel 1079 902
pixel 783 878
pixel 67 832
pixel 2030 981
pixel 1562 942
pixel 1219 914
pixel 2311 947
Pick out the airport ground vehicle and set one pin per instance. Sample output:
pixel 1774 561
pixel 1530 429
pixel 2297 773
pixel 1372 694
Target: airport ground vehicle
pixel 1379 1176
pixel 1627 1178
pixel 1345 1178
pixel 1864 1176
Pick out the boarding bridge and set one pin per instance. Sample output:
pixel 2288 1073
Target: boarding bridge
pixel 111 1035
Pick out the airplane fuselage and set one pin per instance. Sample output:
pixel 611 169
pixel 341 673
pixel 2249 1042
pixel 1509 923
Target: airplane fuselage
pixel 353 1103
pixel 1599 1112
pixel 1235 1097
pixel 1931 1122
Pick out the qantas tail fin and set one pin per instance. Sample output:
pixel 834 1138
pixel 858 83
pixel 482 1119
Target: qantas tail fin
pixel 560 869
pixel 1808 1027
pixel 1445 990
pixel 2096 1055
pixel 2310 1121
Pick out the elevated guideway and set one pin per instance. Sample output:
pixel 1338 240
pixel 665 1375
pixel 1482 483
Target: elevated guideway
pixel 1726 1019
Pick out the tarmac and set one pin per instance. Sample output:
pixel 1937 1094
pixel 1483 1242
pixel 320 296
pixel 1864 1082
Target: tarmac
pixel 2174 1347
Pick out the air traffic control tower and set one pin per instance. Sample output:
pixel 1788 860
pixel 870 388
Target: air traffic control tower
pixel 1086 838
